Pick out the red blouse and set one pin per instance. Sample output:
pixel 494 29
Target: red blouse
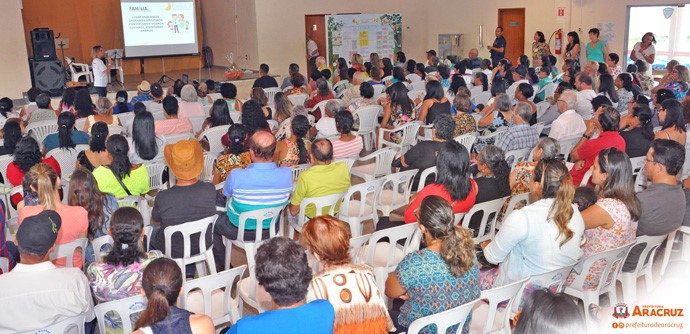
pixel 439 190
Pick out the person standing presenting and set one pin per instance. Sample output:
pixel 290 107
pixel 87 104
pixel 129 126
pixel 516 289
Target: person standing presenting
pixel 498 49
pixel 101 71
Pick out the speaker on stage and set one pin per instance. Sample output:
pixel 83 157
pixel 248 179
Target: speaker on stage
pixel 47 76
pixel 43 44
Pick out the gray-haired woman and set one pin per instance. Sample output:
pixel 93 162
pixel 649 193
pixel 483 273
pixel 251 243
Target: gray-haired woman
pixel 104 113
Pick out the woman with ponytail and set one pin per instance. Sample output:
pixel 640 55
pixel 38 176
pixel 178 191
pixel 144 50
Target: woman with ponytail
pixel 96 155
pixel 44 181
pixel 296 149
pixel 67 137
pixel 161 284
pixel 121 178
pixel 439 277
pixel 83 191
pixel 540 237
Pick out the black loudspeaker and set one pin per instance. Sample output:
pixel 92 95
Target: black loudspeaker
pixel 43 44
pixel 47 76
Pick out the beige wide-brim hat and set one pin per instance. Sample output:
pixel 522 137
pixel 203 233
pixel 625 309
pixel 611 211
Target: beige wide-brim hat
pixel 144 87
pixel 185 159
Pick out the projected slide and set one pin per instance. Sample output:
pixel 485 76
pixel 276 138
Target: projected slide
pixel 159 28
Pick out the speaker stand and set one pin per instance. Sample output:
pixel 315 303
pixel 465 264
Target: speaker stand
pixel 164 78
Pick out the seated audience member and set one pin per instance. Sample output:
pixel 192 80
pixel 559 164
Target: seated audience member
pixel 293 68
pixel 121 177
pixel 606 121
pixel 189 105
pixel 144 146
pixel 325 127
pixel 398 109
pixel 453 182
pixel 294 150
pixel 104 113
pixel 612 221
pixel 66 137
pixel 236 155
pixel 520 134
pixel 284 110
pixel 143 93
pixel 673 125
pixel 569 123
pixel 26 155
pixel 125 259
pixel 585 94
pixel 663 202
pixel 522 174
pixel 161 284
pixel 96 155
pixel 552 112
pixel 612 63
pixel 30 107
pixel 544 79
pixel 44 112
pixel 350 144
pixel 297 82
pixel 525 93
pixel 540 237
pixel 253 118
pixel 219 115
pixel 322 93
pixel 188 200
pixel 36 293
pixel 43 181
pixel 121 105
pixel 545 312
pixel 423 155
pixel 259 96
pixel 229 93
pixel 435 103
pixel 328 239
pixel 464 123
pixel 12 134
pixel 264 80
pixel 323 178
pixel 493 174
pixel 282 270
pixel 519 77
pixel 172 124
pixel 638 132
pixel 366 93
pixel 354 91
pixel 439 277
pixel 497 114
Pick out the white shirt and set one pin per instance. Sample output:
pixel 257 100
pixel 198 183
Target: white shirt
pixel 568 124
pixel 584 103
pixel 100 75
pixel 647 52
pixel 39 295
pixel 511 90
pixel 529 243
pixel 312 48
pixel 326 127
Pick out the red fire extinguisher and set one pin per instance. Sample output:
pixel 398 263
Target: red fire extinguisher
pixel 558 44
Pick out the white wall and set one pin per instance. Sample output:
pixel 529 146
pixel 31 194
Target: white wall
pixel 14 65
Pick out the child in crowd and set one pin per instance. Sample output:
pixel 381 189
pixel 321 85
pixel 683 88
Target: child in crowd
pixel 584 198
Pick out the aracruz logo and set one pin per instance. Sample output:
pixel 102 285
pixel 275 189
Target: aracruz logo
pixel 621 311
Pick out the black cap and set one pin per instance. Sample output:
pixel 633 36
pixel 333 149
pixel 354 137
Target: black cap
pixel 37 234
pixel 664 94
pixel 156 90
pixel 521 70
pixel 431 52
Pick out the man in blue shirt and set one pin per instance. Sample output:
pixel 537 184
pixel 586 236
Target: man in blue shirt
pixel 498 49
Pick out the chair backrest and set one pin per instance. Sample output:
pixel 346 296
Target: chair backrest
pixel 489 211
pixel 174 138
pixel 553 280
pixel 542 107
pixel 273 124
pixel 340 86
pixel 68 249
pixel 368 118
pixel 298 99
pixel 124 308
pixel 356 244
pixel 4 264
pixel 320 203
pixel 5 161
pixel 512 203
pixel 409 130
pixel 236 116
pixel 198 227
pixel 213 136
pixel 433 170
pixel 539 127
pixel 68 325
pixel 115 130
pixel 67 158
pixel 443 320
pixel 641 181
pixel 567 144
pixel 355 203
pixel 102 246
pixel 348 161
pixel 39 130
pixel 384 159
pixel 614 259
pixel 259 216
pixel 493 137
pixel 404 233
pixel 507 293
pixel 209 161
pixel 320 106
pixel 297 170
pixel 416 94
pixel 155 171
pixel 467 140
pixel 550 90
pixel 224 282
pixel 378 90
pixel 401 187
pixel 482 98
pixel 418 85
pixel 651 244
pixel 271 93
pixel 138 202
pixel 515 156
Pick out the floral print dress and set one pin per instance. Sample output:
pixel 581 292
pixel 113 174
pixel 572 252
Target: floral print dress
pixel 227 162
pixel 398 118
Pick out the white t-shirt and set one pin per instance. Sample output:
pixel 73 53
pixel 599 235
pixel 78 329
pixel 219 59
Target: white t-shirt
pixel 647 52
pixel 312 48
pixel 326 127
pixel 100 75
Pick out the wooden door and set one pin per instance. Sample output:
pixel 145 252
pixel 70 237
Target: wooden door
pixel 513 22
pixel 315 27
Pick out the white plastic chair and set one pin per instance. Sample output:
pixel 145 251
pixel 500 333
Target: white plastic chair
pixel 348 161
pixel 542 108
pixel 539 127
pixel 236 117
pixel 515 156
pixel 10 211
pixel 273 124
pixel 321 202
pixel 67 159
pixel 357 247
pixel 512 203
pixel 138 202
pixel 380 167
pixel 297 170
pixel 99 246
pixel 39 130
pixel 79 70
pixel 67 251
pixel 553 280
pixel 378 90
pixel 667 252
pixel 199 228
pixel 489 211
pixel 443 320
pixel 508 293
pixel 425 174
pixel 567 144
pixel 213 136
pixel 413 95
pixel 408 137
pixel 124 308
pixel 4 265
pixel 355 211
pixel 493 137
pixel 642 268
pixel 482 98
pixel 271 93
pixel 298 99
pixel 340 87
pixel 80 122
pixel 209 162
pixel 417 85
pixel 467 140
pixel 614 262
pixel 228 308
pixel 172 139
pixel 155 171
pixel 320 106
pixel 126 119
pixel 115 130
pixel 368 120
pixel 259 216
pixel 399 194
pixel 685 252
pixel 68 325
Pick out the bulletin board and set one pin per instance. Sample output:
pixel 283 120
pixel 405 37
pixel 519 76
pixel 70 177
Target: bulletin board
pixel 363 34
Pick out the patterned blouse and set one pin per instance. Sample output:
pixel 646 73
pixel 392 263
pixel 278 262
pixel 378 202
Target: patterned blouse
pixel 292 154
pixel 679 89
pixel 298 90
pixel 624 97
pixel 432 288
pixel 464 123
pixel 646 83
pixel 358 304
pixel 113 282
pixel 227 162
pixel 539 50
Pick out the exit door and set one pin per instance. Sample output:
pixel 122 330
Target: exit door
pixel 513 22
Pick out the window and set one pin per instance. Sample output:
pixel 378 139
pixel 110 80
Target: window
pixel 671 27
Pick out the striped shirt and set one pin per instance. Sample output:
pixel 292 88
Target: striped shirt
pixel 347 149
pixel 260 185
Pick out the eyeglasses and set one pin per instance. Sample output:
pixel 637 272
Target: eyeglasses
pixel 650 161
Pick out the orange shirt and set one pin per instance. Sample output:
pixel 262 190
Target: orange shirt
pixel 75 222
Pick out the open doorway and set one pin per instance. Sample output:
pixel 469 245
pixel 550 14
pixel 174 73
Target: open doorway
pixel 513 22
pixel 670 25
pixel 315 28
